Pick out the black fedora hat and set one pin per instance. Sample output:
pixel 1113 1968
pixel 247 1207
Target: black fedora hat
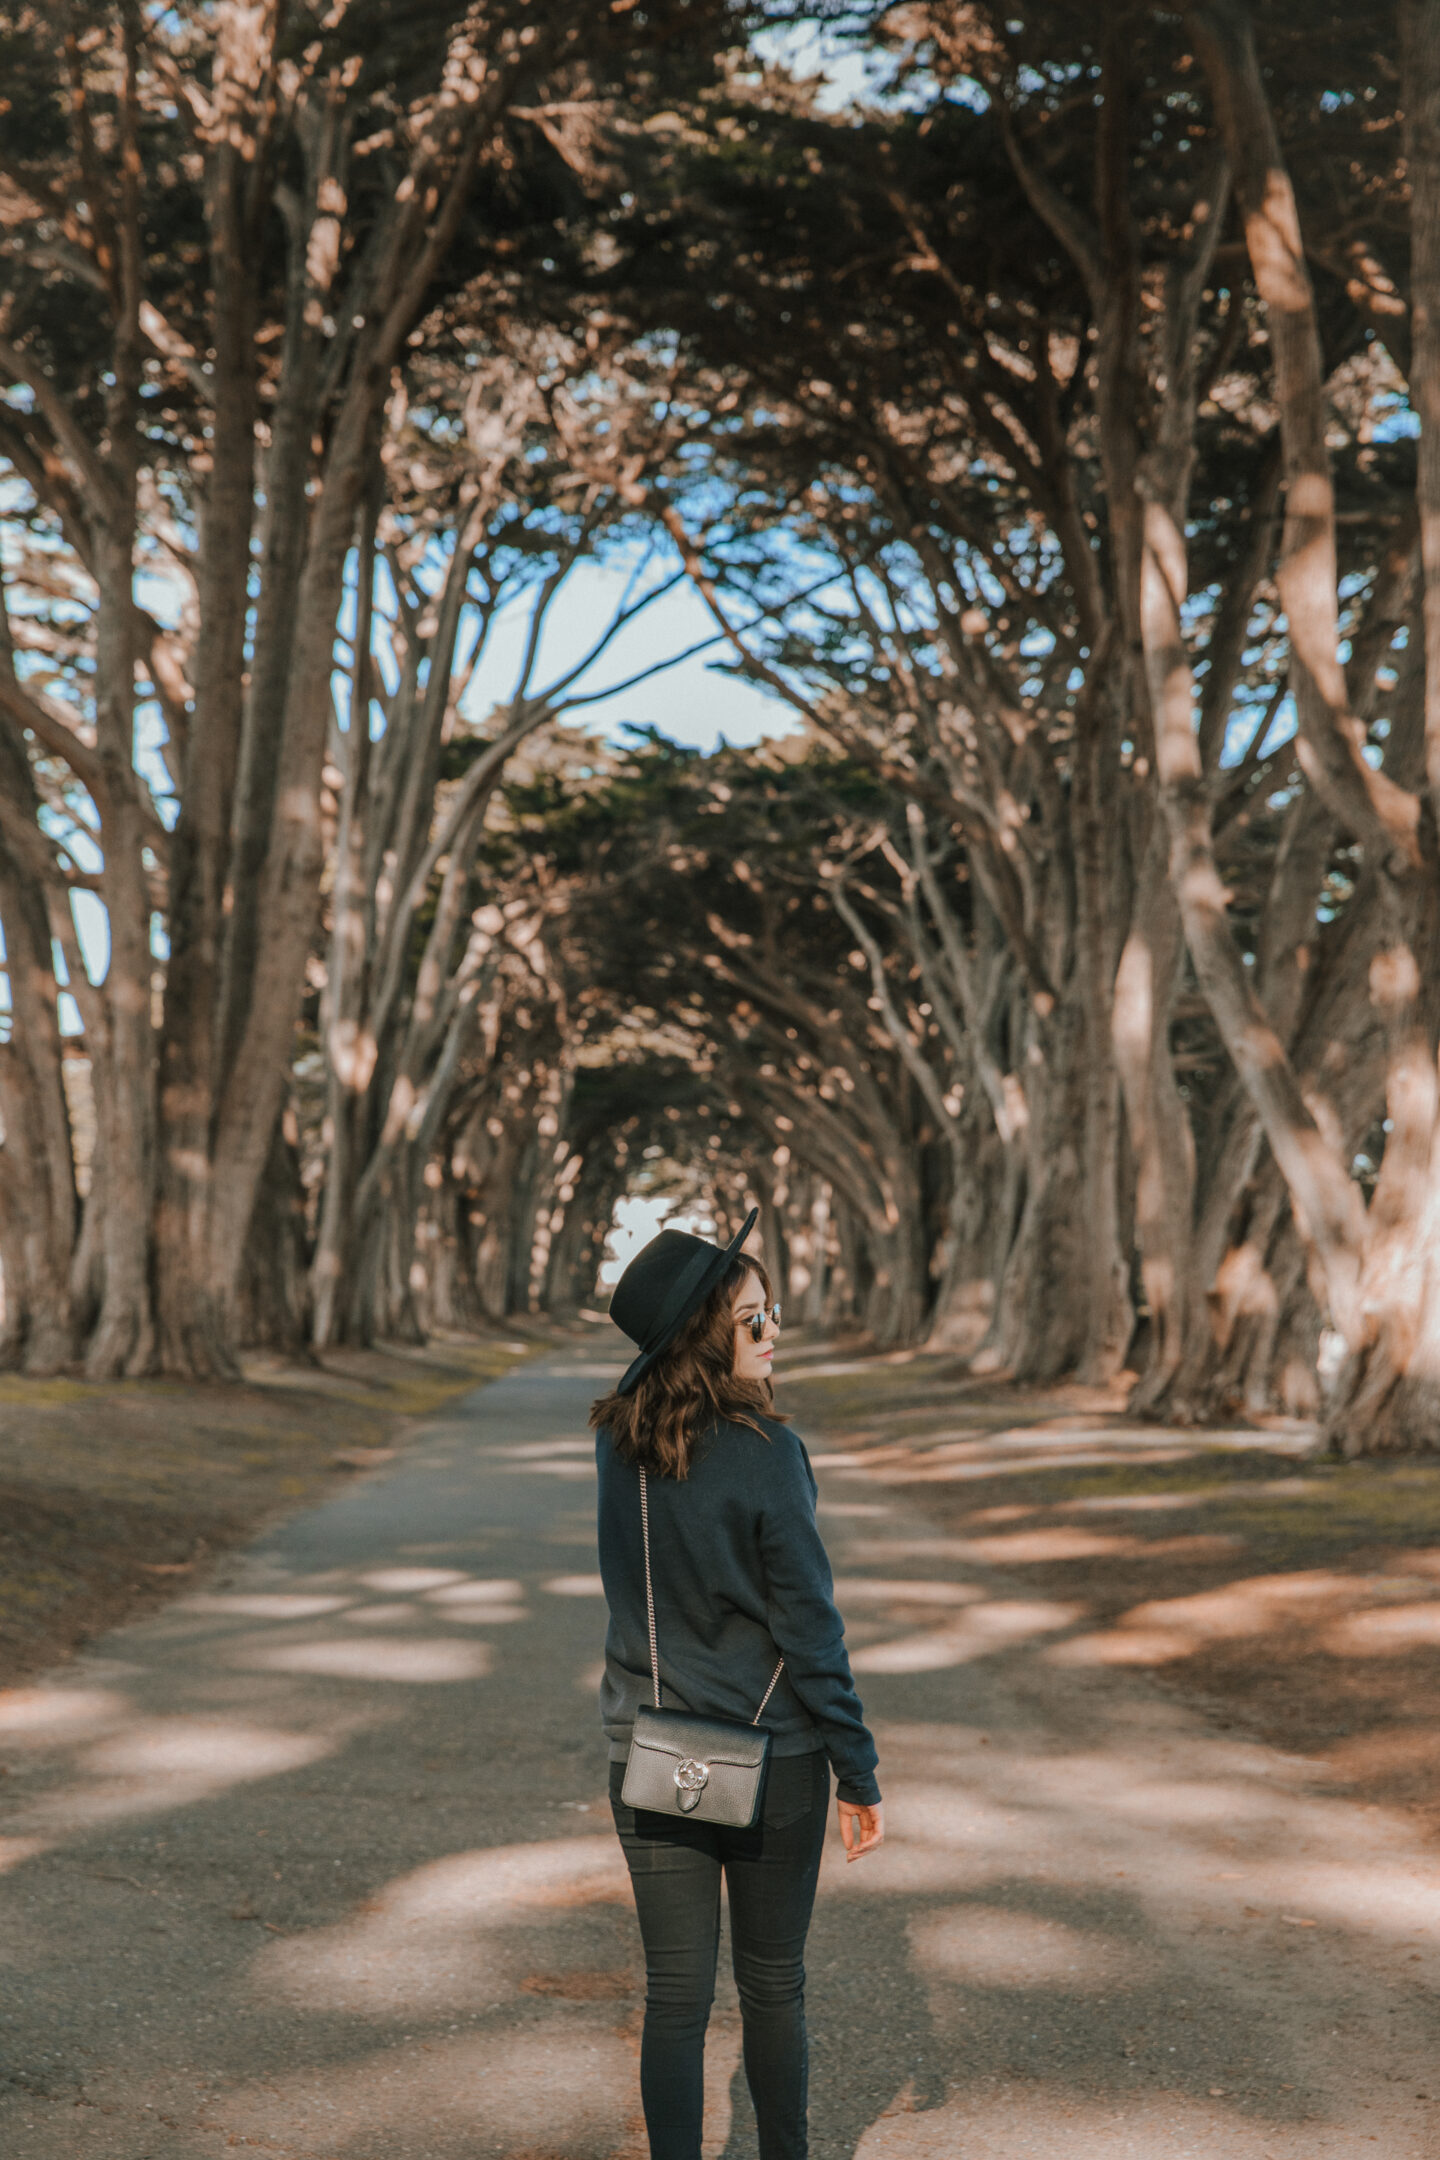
pixel 667 1280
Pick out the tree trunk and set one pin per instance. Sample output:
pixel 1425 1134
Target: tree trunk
pixel 1387 1399
pixel 194 1335
pixel 1159 1129
pixel 578 1248
pixel 816 1286
pixel 41 1204
pixel 351 1045
pixel 273 1311
pixel 1420 45
pixel 1376 1271
pixel 124 1339
pixel 1046 1322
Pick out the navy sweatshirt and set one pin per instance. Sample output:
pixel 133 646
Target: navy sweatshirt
pixel 741 1578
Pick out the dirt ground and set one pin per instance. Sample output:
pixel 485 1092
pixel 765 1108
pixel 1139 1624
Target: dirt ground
pixel 1290 1599
pixel 113 1497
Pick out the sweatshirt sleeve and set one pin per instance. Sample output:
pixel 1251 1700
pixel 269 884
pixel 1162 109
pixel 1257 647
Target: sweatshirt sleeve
pixel 807 1629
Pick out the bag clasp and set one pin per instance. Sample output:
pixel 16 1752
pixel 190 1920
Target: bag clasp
pixel 691 1778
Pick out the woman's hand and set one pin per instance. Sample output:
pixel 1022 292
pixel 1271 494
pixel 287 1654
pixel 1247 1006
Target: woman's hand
pixel 861 1828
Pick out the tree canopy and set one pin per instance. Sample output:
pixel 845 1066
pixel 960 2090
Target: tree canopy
pixel 1049 430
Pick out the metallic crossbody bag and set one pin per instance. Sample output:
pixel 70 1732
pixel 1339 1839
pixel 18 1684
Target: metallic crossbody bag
pixel 681 1764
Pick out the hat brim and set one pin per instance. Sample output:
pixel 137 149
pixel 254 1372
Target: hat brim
pixel 637 1370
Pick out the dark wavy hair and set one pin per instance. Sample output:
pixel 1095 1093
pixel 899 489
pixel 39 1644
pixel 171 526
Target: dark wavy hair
pixel 690 1386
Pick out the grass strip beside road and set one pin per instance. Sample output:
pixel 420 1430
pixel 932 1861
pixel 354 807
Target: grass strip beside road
pixel 114 1495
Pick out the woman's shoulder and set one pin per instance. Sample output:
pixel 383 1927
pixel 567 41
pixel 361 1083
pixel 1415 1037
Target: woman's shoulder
pixel 780 1429
pixel 763 1438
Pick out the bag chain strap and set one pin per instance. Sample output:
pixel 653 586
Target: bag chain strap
pixel 650 1615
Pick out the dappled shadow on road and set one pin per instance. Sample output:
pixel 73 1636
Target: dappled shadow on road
pixel 331 1837
pixel 1294 1599
pixel 376 1904
pixel 1024 1579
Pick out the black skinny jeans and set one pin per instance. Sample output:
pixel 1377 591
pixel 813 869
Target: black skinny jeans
pixel 770 1874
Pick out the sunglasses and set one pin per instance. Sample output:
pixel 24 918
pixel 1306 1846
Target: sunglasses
pixel 756 1322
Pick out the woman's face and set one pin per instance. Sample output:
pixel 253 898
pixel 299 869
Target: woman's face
pixel 752 1359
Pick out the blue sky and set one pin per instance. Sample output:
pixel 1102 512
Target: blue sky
pixel 693 702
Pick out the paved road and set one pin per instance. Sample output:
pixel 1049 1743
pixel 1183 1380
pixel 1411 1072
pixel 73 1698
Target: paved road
pixel 317 1864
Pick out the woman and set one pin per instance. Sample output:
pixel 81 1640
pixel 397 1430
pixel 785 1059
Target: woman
pixel 740 1579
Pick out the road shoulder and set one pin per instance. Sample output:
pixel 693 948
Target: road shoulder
pixel 116 1496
